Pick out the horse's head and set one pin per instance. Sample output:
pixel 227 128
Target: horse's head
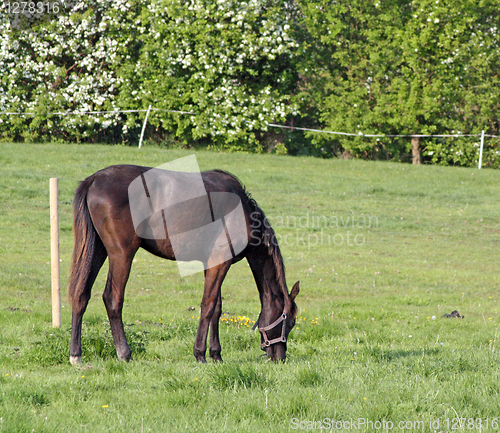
pixel 275 323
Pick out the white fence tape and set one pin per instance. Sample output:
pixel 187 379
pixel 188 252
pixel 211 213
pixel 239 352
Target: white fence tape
pixel 360 134
pixel 482 135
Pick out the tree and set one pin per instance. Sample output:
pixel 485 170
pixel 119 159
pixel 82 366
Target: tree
pixel 230 63
pixel 56 65
pixel 400 67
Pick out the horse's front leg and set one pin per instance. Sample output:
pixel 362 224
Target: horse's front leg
pixel 214 348
pixel 210 313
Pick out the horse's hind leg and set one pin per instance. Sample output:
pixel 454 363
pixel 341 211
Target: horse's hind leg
pixel 214 348
pixel 113 296
pixel 79 305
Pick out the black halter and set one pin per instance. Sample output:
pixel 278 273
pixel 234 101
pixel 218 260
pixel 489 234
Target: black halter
pixel 267 342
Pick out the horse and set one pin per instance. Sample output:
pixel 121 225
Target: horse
pixel 103 227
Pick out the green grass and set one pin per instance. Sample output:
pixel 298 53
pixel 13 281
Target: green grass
pixel 380 248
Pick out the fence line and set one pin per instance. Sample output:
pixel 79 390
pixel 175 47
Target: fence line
pixel 482 135
pixel 324 131
pixel 361 134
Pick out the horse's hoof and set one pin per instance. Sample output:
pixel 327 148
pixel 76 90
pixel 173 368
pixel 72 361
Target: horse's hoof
pixel 75 360
pixel 201 359
pixel 216 358
pixel 125 358
pixel 124 354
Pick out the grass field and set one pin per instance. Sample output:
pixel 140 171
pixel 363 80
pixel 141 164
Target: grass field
pixel 382 251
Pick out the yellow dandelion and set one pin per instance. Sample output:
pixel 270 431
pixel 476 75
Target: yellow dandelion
pixel 105 406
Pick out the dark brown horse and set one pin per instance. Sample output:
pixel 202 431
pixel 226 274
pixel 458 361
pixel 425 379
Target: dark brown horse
pixel 104 227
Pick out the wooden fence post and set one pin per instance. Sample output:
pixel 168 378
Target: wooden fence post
pixel 54 253
pixel 415 150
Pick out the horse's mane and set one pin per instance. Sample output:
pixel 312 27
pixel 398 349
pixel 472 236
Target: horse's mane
pixel 267 234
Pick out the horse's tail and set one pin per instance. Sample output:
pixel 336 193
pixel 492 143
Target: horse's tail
pixel 88 251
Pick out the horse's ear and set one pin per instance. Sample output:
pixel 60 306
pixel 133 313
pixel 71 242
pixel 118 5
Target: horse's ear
pixel 295 291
